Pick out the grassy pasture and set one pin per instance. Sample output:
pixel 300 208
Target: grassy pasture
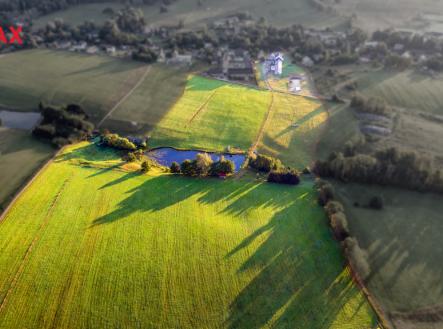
pixel 150 102
pixel 212 115
pixel 405 89
pixel 20 156
pixel 96 247
pixel 278 12
pixel 403 242
pixel 295 146
pixel 96 82
pixel 379 14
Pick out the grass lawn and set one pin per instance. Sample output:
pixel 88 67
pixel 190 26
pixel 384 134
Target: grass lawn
pixel 95 248
pixel 212 115
pixel 96 82
pixel 405 89
pixel 295 146
pixel 403 242
pixel 278 12
pixel 20 156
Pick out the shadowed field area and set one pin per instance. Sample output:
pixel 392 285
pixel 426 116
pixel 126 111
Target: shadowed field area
pixel 57 78
pixel 96 247
pixel 20 156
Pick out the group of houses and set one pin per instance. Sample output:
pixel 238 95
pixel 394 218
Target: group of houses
pixel 235 65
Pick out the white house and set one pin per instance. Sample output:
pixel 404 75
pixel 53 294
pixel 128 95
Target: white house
pixel 275 63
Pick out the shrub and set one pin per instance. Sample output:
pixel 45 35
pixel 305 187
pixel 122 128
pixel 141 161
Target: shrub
pixel 222 167
pixel 264 163
pixel 357 257
pixel 326 193
pixel 175 168
pixel 333 207
pixel 130 157
pixel 115 141
pixel 145 167
pixel 290 177
pixel 203 163
pixel 189 168
pixel 376 203
pixel 339 225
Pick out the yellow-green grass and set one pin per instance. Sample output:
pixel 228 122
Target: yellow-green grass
pixel 278 12
pixel 56 77
pixel 20 156
pixel 404 89
pixel 295 146
pixel 95 248
pixel 212 115
pixel 150 102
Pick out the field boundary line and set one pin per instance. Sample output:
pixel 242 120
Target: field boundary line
pixel 37 237
pixel 125 97
pixel 263 125
pixel 29 183
pixel 201 107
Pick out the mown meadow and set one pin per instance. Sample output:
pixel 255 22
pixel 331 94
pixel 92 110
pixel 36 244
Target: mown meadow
pixel 295 128
pixel 212 115
pixel 89 245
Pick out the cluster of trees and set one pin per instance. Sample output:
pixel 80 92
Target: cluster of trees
pixel 203 166
pixel 117 142
pixel 409 41
pixel 435 63
pixel 145 54
pixel 130 20
pixel 264 163
pixel 277 172
pixel 371 105
pixel 339 225
pixel 397 62
pixel 63 125
pixel 284 176
pixel 386 167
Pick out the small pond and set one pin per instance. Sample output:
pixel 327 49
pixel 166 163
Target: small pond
pixel 166 156
pixel 20 120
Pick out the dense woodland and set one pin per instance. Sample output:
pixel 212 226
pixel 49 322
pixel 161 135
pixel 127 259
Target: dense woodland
pixel 63 125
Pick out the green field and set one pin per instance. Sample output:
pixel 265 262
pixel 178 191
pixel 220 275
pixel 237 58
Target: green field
pixel 212 115
pixel 96 82
pixel 295 146
pixel 278 12
pixel 402 242
pixel 405 89
pixel 170 252
pixel 20 156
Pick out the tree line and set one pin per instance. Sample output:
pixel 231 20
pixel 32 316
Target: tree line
pixel 390 167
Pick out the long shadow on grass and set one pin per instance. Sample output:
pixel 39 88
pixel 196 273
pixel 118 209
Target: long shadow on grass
pixel 302 283
pixel 300 280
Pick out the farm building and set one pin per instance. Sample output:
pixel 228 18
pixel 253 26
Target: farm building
pixel 295 84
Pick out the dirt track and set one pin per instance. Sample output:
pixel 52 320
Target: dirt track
pixel 124 98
